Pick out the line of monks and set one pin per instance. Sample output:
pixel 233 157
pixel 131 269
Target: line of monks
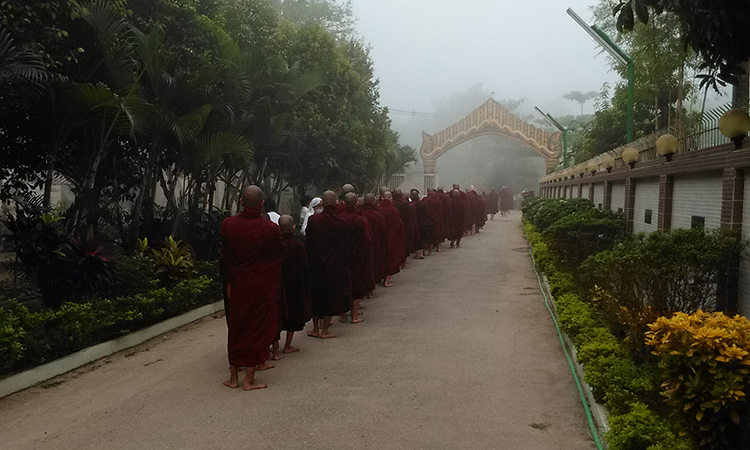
pixel 275 281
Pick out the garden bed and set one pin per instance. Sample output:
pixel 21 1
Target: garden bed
pixel 31 377
pixel 671 375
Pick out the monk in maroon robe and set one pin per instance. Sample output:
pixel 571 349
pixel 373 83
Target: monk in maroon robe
pixel 435 211
pixel 295 272
pixel 458 212
pixel 360 254
pixel 340 206
pixel 328 251
pixel 471 213
pixel 493 203
pixel 405 212
pixel 379 237
pixel 445 201
pixel 424 225
pixel 253 251
pixel 395 255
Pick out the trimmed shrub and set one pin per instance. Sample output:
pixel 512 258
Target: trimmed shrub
pixel 29 338
pixel 640 429
pixel 575 316
pixel 705 364
pixel 649 276
pixel 133 275
pixel 580 234
pixel 543 213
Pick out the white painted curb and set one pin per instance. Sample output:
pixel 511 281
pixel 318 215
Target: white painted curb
pixel 65 364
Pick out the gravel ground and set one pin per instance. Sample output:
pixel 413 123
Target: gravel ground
pixel 461 354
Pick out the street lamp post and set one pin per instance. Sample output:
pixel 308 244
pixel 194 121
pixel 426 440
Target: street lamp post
pixel 564 132
pixel 601 38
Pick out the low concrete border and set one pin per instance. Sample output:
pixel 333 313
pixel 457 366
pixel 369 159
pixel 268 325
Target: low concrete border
pixel 31 377
pixel 598 411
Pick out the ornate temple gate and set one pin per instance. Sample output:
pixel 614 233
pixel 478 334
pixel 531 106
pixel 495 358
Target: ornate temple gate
pixel 489 119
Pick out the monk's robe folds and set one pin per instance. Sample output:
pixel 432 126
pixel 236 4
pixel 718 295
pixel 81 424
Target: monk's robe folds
pixel 395 255
pixel 328 251
pixel 296 274
pixel 379 240
pixel 253 253
pixel 360 253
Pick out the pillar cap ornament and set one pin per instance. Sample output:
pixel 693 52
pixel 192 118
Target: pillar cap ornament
pixel 667 145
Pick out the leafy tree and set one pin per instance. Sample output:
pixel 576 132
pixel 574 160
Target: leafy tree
pixel 580 97
pixel 716 30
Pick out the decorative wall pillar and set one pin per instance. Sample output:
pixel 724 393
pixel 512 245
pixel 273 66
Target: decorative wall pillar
pixel 591 192
pixel 607 204
pixel 732 205
pixel 630 186
pixel 580 190
pixel 666 191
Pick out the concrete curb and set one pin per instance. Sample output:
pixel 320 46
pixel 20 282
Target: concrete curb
pixel 31 377
pixel 598 411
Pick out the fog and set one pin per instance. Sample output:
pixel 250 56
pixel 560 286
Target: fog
pixel 437 60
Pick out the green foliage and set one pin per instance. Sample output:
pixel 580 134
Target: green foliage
pixel 173 261
pixel 30 338
pixel 57 265
pixel 580 234
pixel 544 212
pixel 562 283
pixel 705 364
pixel 641 429
pixel 715 30
pixel 575 316
pixel 648 276
pixel 134 275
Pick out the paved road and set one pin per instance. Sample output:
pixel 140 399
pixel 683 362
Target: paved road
pixel 461 354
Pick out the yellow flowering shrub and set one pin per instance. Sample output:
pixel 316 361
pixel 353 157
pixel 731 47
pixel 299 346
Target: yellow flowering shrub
pixel 705 363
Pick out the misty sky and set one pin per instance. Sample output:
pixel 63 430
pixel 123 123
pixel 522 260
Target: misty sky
pixel 425 50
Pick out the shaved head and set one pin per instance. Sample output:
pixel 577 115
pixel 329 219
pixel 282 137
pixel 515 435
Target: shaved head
pixel 329 198
pixel 387 195
pixel 369 199
pixel 456 186
pixel 430 190
pixel 252 197
pixel 286 223
pixel 440 188
pixel 383 189
pixel 347 188
pixel 351 199
pixel 397 192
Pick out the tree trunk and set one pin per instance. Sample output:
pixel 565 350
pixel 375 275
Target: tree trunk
pixel 681 94
pixel 135 213
pixel 656 115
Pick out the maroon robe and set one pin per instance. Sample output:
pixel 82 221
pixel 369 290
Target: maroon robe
pixel 327 242
pixel 295 272
pixel 445 201
pixel 253 251
pixel 404 210
pixel 340 207
pixel 471 211
pixel 424 225
pixel 435 211
pixel 379 240
pixel 493 201
pixel 395 254
pixel 506 199
pixel 360 253
pixel 458 212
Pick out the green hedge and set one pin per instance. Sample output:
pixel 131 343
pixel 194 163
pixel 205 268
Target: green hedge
pixel 30 338
pixel 630 391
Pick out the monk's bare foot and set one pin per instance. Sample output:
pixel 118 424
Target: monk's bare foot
pixel 255 384
pixel 327 335
pixel 313 334
pixel 265 366
pixel 370 296
pixel 290 350
pixel 342 319
pixel 278 357
pixel 357 320
pixel 231 384
pixel 389 284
